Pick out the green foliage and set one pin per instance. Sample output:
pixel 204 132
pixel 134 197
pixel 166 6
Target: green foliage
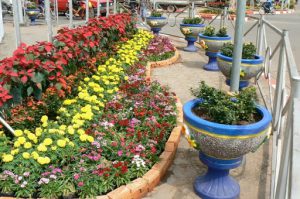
pixel 249 50
pixel 209 31
pixel 196 20
pixel 156 13
pixel 161 57
pixel 222 108
pixel 222 32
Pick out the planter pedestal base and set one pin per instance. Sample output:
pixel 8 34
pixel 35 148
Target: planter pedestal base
pixel 191 47
pixel 212 64
pixel 156 30
pixel 242 84
pixel 217 183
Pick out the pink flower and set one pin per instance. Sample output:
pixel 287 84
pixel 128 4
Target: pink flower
pixel 76 176
pixel 80 184
pixel 120 153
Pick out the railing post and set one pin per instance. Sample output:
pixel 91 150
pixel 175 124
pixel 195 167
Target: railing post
pixel 98 8
pixel 48 20
pixel 107 8
pixel 115 7
pixel 1 24
pixel 87 7
pixel 70 14
pixel 260 36
pixel 225 16
pixel 16 23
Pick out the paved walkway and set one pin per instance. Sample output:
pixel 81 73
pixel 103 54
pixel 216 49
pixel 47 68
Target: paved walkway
pixel 253 176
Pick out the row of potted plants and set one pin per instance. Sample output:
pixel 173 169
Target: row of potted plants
pixel 110 132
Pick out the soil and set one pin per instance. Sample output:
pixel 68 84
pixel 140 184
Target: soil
pixel 202 113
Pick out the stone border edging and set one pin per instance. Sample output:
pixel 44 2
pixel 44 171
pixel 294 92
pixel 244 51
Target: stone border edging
pixel 165 62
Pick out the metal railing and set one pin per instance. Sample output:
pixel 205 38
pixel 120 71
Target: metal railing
pixel 283 107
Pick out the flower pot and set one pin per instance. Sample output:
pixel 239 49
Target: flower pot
pixel 249 68
pixel 191 32
pixel 213 44
pixel 221 148
pixel 32 14
pixel 156 23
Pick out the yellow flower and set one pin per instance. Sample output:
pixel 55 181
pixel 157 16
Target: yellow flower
pixel 18 133
pixel 35 155
pixel 26 155
pixel 86 79
pixel 90 139
pixel 53 148
pixel 81 131
pixel 61 143
pixel 31 136
pixel 14 152
pixel 21 140
pixel 63 127
pixel 43 160
pixel 38 131
pixel 71 144
pixel 83 137
pixel 70 130
pixel 7 157
pixel 17 144
pixel 27 145
pixel 126 78
pixel 44 118
pixel 45 124
pixel 47 141
pixel 42 148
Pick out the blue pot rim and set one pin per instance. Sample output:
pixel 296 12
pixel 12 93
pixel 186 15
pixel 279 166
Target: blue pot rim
pixel 258 59
pixel 225 129
pixel 32 10
pixel 193 25
pixel 156 18
pixel 215 38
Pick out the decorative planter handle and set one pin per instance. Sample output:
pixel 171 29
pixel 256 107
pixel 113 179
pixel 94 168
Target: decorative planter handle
pixel 249 68
pixel 156 23
pixel 221 148
pixel 191 32
pixel 212 46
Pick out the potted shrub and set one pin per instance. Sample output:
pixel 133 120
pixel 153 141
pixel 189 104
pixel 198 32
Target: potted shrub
pixel 212 43
pixel 251 64
pixel 32 11
pixel 223 128
pixel 156 21
pixel 191 27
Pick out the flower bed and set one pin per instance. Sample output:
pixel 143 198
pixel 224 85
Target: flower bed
pixel 160 48
pixel 109 129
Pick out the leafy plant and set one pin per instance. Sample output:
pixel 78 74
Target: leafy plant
pixel 209 31
pixel 156 13
pixel 222 108
pixel 196 20
pixel 249 50
pixel 31 5
pixel 222 32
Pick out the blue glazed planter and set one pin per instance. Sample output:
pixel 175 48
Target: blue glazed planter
pixel 32 14
pixel 156 23
pixel 221 147
pixel 191 32
pixel 213 44
pixel 249 67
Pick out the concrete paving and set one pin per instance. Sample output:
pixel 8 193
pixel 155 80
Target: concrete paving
pixel 254 174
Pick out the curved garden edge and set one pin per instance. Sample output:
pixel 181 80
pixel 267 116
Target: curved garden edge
pixel 166 62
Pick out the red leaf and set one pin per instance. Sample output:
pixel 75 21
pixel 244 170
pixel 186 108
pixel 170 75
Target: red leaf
pixel 24 79
pixel 48 48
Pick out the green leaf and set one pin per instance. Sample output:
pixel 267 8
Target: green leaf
pixel 29 91
pixel 58 86
pixel 38 77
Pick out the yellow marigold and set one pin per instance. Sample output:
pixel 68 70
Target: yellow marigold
pixel 17 144
pixel 45 124
pixel 62 127
pixel 71 144
pixel 42 148
pixel 21 140
pixel 70 130
pixel 18 133
pixel 26 155
pixel 90 139
pixel 83 137
pixel 35 155
pixel 53 148
pixel 86 79
pixel 38 131
pixel 27 145
pixel 14 152
pixel 43 160
pixel 61 143
pixel 47 141
pixel 81 131
pixel 44 118
pixel 7 157
pixel 31 136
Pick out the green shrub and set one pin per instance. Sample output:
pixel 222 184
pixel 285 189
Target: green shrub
pixel 249 50
pixel 156 13
pixel 196 20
